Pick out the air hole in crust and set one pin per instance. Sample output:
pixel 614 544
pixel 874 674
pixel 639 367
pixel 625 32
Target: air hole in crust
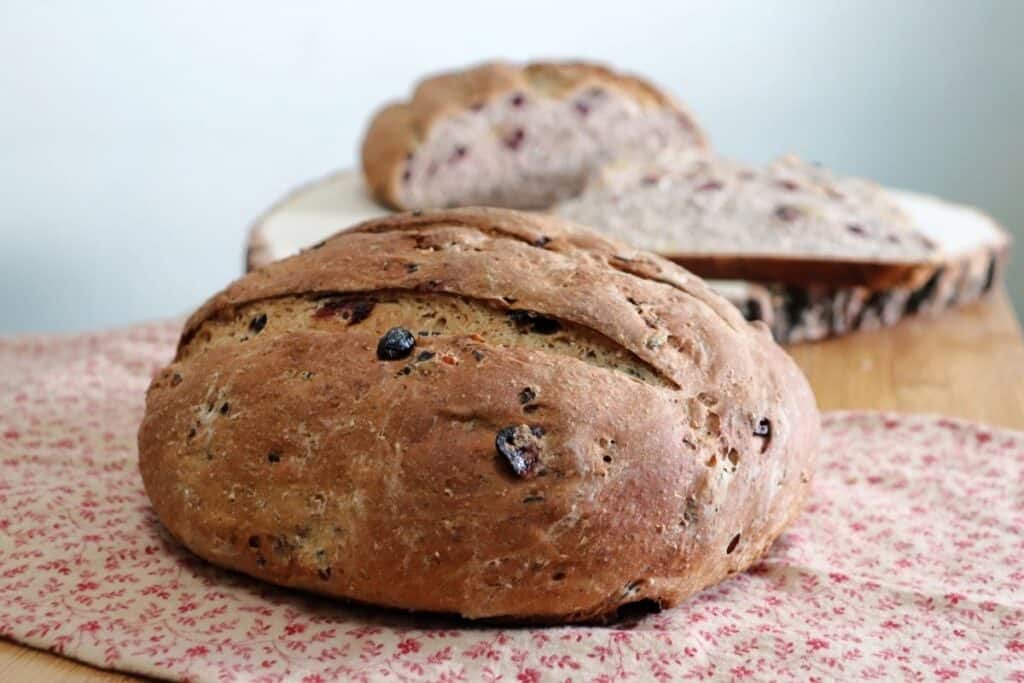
pixel 732 544
pixel 607 458
pixel 558 576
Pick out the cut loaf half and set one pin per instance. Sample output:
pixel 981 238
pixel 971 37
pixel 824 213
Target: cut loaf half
pixel 516 136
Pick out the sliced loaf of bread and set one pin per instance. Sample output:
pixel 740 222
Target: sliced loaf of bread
pixel 973 252
pixel 518 137
pixel 790 222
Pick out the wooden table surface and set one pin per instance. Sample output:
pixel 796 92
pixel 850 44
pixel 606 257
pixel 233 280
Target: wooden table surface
pixel 968 363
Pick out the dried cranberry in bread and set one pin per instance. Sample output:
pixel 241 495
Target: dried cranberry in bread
pixel 521 137
pixel 481 412
pixel 789 222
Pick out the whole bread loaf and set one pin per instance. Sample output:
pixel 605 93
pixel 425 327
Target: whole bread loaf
pixel 790 221
pixel 480 412
pixel 519 137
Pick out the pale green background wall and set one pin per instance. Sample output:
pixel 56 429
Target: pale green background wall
pixel 137 140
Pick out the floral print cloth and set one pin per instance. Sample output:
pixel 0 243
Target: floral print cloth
pixel 907 564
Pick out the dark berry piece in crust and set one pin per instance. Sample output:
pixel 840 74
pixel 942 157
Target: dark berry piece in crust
pixel 521 447
pixel 763 430
pixel 397 343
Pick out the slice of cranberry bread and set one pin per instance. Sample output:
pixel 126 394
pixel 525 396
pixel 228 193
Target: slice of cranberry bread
pixel 790 221
pixel 518 137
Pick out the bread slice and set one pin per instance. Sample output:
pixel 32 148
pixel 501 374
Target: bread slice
pixel 975 251
pixel 789 222
pixel 972 255
pixel 520 137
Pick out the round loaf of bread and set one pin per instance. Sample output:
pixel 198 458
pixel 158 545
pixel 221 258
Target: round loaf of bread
pixel 516 136
pixel 479 412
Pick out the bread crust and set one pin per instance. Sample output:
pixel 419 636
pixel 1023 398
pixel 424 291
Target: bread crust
pixel 280 445
pixel 397 129
pixel 806 314
pixel 808 271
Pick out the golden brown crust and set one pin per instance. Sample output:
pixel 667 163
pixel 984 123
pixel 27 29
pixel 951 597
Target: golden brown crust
pixel 279 443
pixel 389 140
pixel 381 250
pixel 559 79
pixel 397 129
pixel 438 95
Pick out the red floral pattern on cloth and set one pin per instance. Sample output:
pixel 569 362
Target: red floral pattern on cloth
pixel 908 563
